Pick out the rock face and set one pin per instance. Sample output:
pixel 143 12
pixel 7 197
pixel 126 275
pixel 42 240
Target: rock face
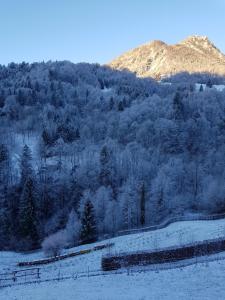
pixel 157 59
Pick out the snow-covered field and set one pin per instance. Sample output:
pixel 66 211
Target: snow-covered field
pixel 218 87
pixel 201 281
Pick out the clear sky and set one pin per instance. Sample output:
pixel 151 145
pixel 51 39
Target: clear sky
pixel 99 30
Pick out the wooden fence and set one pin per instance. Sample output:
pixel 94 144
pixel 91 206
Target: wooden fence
pixel 171 220
pixel 166 255
pixel 19 276
pixel 61 257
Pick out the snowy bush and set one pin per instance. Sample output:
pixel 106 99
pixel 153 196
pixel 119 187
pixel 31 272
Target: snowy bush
pixel 53 244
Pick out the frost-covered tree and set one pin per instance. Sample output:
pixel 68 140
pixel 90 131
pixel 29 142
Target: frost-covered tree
pixel 73 228
pixel 99 134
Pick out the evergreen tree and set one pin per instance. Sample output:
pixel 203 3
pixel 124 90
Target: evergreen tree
pixel 4 185
pixel 178 107
pixel 88 224
pixel 120 106
pixel 201 88
pixel 105 172
pixel 27 214
pixel 209 83
pixel 45 209
pixel 2 99
pixel 76 192
pixel 4 164
pixel 111 103
pixel 142 205
pixel 20 98
pixel 26 170
pixel 4 219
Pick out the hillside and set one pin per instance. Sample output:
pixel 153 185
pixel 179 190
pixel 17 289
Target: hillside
pixel 158 60
pixel 176 278
pixel 87 139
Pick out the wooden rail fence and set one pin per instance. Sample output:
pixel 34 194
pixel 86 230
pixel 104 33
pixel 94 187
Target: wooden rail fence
pixel 19 276
pixel 166 255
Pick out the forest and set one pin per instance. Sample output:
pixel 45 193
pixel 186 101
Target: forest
pixel 87 151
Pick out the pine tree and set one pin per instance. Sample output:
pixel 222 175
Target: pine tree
pixel 120 106
pixel 27 214
pixel 178 107
pixel 4 185
pixel 88 224
pixel 142 205
pixel 76 192
pixel 105 173
pixel 2 99
pixel 45 206
pixel 26 170
pixel 4 165
pixel 111 103
pixel 209 83
pixel 4 219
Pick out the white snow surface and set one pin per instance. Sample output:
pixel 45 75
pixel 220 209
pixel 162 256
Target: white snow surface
pixel 198 281
pixel 218 87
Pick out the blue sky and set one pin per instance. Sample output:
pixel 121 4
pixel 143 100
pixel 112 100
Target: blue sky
pixel 99 30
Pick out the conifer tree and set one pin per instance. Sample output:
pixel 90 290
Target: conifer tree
pixel 209 83
pixel 4 218
pixel 178 107
pixel 4 165
pixel 27 214
pixel 120 106
pixel 105 174
pixel 142 205
pixel 88 224
pixel 26 170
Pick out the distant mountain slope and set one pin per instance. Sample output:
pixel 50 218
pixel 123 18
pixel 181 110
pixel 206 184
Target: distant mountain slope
pixel 157 59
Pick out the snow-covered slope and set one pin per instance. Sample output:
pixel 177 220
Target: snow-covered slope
pixel 176 234
pixel 114 286
pixel 200 281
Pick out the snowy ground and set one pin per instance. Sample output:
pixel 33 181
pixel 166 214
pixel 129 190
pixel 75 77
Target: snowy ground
pixel 176 234
pixel 201 281
pixel 218 87
pixel 169 284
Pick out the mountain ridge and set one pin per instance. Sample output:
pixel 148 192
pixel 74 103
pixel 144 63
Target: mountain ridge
pixel 157 59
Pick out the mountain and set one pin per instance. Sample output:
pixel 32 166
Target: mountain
pixel 157 59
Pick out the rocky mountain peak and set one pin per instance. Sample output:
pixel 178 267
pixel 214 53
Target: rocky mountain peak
pixel 157 59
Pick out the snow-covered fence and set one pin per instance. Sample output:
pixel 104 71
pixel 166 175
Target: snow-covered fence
pixel 20 276
pixel 167 222
pixel 166 255
pixel 61 257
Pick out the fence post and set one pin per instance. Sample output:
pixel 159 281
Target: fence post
pixel 38 273
pixel 14 276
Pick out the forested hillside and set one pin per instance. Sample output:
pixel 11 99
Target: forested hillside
pixel 86 151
